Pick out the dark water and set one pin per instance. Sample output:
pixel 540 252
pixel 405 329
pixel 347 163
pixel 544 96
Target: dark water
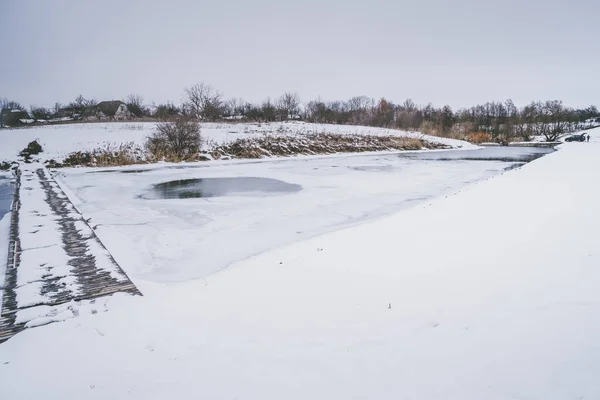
pixel 6 195
pixel 217 187
pixel 500 153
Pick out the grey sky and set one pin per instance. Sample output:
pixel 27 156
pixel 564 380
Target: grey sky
pixel 457 52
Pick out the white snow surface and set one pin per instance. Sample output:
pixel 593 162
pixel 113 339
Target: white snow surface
pixel 491 293
pixel 41 243
pixel 60 140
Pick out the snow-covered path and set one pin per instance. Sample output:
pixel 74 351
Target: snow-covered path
pixel 56 258
pixel 492 293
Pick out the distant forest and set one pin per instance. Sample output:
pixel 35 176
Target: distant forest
pixel 494 121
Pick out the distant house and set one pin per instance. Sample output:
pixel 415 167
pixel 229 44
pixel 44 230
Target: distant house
pixel 13 118
pixel 593 121
pixel 107 110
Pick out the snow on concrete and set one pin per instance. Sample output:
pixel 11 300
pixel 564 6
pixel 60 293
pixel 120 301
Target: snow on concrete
pixel 491 293
pixel 60 140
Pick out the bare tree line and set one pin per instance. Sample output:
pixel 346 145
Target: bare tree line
pixel 500 121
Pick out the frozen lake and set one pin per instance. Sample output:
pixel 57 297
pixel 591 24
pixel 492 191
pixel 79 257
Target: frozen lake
pixel 174 237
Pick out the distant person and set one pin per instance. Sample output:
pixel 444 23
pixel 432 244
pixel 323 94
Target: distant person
pixel 588 138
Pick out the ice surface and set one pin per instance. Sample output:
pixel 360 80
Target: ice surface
pixel 180 239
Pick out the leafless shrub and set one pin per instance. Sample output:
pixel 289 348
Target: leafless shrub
pixel 175 140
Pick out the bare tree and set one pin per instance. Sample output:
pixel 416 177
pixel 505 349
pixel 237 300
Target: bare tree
pixel 6 104
pixel 269 111
pixel 509 124
pixel 360 103
pixel 234 107
pixel 409 105
pixel 40 113
pixel 202 101
pixel 166 111
pixel 383 113
pixel 359 108
pixel 446 119
pixel 556 119
pixel 79 104
pixel 135 104
pixel 288 105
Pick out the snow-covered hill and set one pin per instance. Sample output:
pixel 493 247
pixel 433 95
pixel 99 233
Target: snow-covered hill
pixel 60 140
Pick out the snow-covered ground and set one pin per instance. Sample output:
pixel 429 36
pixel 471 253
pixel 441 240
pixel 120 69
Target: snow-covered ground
pixel 491 293
pixel 60 140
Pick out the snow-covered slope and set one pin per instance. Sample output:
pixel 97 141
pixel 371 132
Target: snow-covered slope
pixel 492 293
pixel 60 140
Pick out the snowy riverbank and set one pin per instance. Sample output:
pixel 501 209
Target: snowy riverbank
pixel 492 293
pixel 60 140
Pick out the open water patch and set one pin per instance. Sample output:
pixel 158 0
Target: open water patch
pixel 219 187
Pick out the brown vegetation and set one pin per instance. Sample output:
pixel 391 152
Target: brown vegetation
pixel 111 155
pixel 317 143
pixel 479 137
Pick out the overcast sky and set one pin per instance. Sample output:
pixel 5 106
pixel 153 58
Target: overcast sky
pixel 457 52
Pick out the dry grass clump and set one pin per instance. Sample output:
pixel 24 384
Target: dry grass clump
pixel 317 143
pixel 111 155
pixel 177 141
pixel 479 137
